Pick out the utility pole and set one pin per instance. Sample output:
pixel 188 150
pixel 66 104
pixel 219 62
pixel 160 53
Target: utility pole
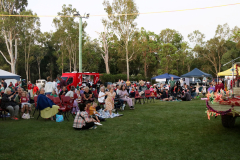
pixel 76 14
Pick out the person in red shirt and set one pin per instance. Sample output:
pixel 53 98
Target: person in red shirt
pixel 135 85
pixel 10 85
pixel 216 88
pixel 25 105
pixel 221 85
pixel 62 83
pixel 16 84
pixel 35 89
pixel 30 87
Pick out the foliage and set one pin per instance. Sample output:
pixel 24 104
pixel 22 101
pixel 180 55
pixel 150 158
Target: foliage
pixel 121 49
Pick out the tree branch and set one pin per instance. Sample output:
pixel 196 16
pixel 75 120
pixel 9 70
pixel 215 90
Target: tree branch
pixel 5 58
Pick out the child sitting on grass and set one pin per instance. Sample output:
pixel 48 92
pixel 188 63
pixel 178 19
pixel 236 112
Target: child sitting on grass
pixel 54 94
pixel 25 106
pixel 93 113
pixel 82 119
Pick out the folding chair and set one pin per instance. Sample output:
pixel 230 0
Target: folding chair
pixel 51 97
pixel 57 101
pixel 67 104
pixel 95 95
pixel 138 97
pixel 62 96
pixel 75 96
pixel 148 95
pixel 62 108
pixel 35 103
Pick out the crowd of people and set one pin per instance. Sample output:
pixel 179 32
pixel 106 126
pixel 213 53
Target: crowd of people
pixel 20 97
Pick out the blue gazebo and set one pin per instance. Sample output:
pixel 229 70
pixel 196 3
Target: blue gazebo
pixel 196 73
pixel 166 76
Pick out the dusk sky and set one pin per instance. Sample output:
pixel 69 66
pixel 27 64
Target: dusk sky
pixel 204 20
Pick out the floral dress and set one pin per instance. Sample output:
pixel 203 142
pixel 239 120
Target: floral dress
pixel 110 100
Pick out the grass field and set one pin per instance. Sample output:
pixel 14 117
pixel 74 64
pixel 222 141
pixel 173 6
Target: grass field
pixel 160 130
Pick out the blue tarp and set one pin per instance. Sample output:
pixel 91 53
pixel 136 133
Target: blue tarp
pixel 196 73
pixel 167 76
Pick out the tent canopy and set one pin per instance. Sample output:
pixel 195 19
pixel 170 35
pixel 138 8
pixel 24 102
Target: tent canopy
pixel 8 75
pixel 228 72
pixel 196 73
pixel 167 76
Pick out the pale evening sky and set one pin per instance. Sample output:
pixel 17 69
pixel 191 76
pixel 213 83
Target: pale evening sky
pixel 205 20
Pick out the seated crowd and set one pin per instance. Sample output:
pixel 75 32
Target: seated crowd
pixel 84 107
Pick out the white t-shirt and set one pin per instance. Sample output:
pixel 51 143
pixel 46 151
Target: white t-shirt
pixel 70 94
pixel 101 100
pixel 49 87
pixel 54 84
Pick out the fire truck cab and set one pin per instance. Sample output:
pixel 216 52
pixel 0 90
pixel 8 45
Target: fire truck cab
pixel 74 78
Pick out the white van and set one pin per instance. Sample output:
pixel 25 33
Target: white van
pixel 41 83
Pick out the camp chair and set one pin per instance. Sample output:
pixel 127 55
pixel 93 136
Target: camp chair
pixel 57 101
pixel 148 95
pixel 138 97
pixel 67 104
pixel 35 103
pixel 51 97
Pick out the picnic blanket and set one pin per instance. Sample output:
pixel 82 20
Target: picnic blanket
pixel 107 114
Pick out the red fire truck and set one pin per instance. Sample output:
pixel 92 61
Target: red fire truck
pixel 74 79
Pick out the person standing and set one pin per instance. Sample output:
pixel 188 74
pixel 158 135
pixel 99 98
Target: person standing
pixel 35 89
pixel 128 83
pixel 55 84
pixel 4 84
pixel 98 85
pixel 49 86
pixel 221 86
pixel 30 87
pixel 110 100
pixel 172 83
pixel 62 83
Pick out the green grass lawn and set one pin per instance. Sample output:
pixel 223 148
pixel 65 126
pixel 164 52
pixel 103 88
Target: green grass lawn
pixel 160 130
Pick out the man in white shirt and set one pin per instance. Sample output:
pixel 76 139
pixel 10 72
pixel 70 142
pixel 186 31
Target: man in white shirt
pixel 54 84
pixel 49 87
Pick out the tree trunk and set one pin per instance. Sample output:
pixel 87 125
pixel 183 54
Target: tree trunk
pixel 106 64
pixel 70 65
pixel 26 70
pixel 62 62
pixel 15 60
pixel 29 74
pixel 145 68
pixel 39 71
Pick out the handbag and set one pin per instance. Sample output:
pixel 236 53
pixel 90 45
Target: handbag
pixel 59 118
